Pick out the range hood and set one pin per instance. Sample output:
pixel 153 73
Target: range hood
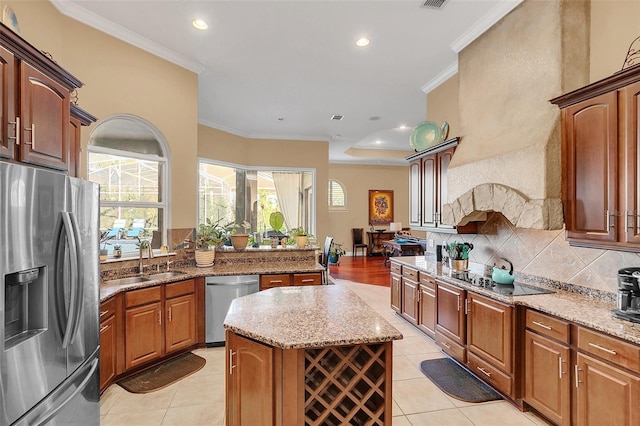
pixel 508 159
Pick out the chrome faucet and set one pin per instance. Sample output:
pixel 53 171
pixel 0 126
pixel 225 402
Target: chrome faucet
pixel 144 245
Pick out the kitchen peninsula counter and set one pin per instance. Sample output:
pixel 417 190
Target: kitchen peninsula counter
pixel 308 355
pixel 579 308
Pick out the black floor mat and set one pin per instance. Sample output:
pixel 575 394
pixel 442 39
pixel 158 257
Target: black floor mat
pixel 456 381
pixel 163 375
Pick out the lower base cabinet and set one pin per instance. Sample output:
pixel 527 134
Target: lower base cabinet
pixel 605 395
pixel 108 344
pixel 268 386
pixel 548 378
pixel 285 280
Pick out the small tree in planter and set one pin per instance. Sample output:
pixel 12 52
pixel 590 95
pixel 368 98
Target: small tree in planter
pixel 300 236
pixel 209 235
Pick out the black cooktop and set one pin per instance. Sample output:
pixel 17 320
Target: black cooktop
pixel 485 281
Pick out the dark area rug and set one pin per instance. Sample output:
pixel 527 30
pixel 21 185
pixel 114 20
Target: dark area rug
pixel 164 374
pixel 456 381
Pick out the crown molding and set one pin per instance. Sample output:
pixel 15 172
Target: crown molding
pixel 484 23
pixel 446 74
pixel 80 14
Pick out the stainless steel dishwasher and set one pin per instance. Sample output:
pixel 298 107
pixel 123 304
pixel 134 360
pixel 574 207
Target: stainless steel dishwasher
pixel 220 291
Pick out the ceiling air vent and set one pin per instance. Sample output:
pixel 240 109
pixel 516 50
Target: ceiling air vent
pixel 434 4
pixel 337 117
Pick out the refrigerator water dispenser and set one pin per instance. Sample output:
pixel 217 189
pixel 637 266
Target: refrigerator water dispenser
pixel 25 305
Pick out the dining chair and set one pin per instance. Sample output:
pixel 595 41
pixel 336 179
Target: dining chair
pixel 358 242
pixel 325 259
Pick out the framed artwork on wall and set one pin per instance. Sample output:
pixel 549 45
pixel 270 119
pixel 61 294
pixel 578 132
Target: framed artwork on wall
pixel 380 207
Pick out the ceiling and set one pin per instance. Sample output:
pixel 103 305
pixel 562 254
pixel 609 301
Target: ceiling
pixel 281 69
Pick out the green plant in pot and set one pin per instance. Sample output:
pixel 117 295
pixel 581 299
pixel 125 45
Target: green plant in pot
pixel 335 251
pixel 300 236
pixel 117 250
pixel 210 234
pixel 240 240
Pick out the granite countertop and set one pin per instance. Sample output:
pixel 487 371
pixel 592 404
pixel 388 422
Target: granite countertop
pixel 308 316
pixel 571 306
pixel 109 290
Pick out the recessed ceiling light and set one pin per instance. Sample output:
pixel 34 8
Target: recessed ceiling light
pixel 378 142
pixel 402 127
pixel 200 24
pixel 362 42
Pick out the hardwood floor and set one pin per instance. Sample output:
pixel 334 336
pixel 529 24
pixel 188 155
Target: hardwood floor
pixel 362 269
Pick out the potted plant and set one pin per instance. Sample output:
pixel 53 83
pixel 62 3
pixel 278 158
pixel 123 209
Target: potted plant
pixel 104 237
pixel 335 251
pixel 300 236
pixel 240 241
pixel 117 250
pixel 209 235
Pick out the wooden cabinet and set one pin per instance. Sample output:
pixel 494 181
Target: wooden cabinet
pixel 79 119
pixel 427 305
pixel 396 287
pixel 450 320
pixel 600 138
pixel 144 337
pixel 547 366
pixel 605 395
pixel 284 280
pixel 428 188
pixel 159 320
pixel 410 295
pixel 35 96
pixel 110 336
pixel 250 382
pixel 180 315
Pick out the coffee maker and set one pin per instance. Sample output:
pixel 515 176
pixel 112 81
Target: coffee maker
pixel 628 297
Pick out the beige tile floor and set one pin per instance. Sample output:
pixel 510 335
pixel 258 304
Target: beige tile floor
pixel 199 398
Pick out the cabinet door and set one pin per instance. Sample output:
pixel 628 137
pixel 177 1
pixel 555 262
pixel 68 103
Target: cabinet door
pixel 606 395
pixel 590 155
pixel 180 329
pixel 444 158
pixel 396 293
pixel 108 350
pixel 415 199
pixel 74 147
pixel 410 300
pixel 547 378
pixel 450 312
pixel 44 113
pixel 490 330
pixel 143 334
pixel 427 309
pixel 250 382
pixel 429 190
pixel 278 280
pixel 8 104
pixel 631 96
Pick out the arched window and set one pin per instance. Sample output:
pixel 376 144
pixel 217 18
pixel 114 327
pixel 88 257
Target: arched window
pixel 129 158
pixel 337 195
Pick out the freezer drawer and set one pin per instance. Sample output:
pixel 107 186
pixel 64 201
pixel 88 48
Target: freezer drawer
pixel 76 402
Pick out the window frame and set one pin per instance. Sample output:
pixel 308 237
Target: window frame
pixel 165 176
pixel 313 171
pixel 329 197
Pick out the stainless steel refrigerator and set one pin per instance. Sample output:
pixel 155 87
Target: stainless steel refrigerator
pixel 49 299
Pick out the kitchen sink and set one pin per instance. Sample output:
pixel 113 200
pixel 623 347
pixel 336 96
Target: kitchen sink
pixel 165 275
pixel 127 281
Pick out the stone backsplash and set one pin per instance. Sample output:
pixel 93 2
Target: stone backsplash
pixel 543 254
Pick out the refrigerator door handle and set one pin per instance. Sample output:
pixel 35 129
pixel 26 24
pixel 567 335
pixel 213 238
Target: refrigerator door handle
pixel 48 415
pixel 67 229
pixel 78 285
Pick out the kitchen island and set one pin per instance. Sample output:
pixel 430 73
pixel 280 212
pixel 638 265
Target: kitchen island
pixel 308 355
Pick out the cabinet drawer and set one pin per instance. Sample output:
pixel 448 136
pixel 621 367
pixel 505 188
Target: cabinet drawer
pixel 396 268
pixel 107 309
pixel 410 273
pixel 269 281
pixel 142 296
pixel 180 288
pixel 451 348
pixel 547 326
pixel 609 348
pixel 307 279
pixel 490 374
pixel 427 280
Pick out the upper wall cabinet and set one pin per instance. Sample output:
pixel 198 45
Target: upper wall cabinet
pixel 428 188
pixel 36 101
pixel 600 168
